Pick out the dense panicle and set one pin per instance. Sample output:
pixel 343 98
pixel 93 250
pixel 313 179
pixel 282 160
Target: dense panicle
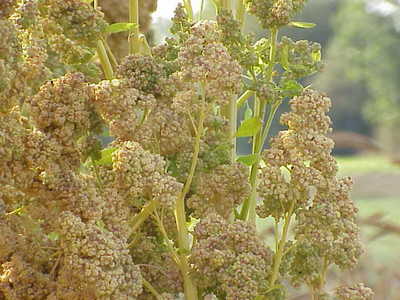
pixel 229 259
pixel 274 13
pixel 129 187
pixel 300 178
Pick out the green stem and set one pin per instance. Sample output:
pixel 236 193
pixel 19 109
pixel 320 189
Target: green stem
pixel 226 4
pixel 104 60
pixel 111 55
pixel 281 246
pixel 146 211
pixel 103 56
pixel 151 289
pixel 242 99
pixel 189 8
pixel 240 12
pixel 180 214
pixel 230 110
pixel 230 113
pixel 134 42
pixel 248 211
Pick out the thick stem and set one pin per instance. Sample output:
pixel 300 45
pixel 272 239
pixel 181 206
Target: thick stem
pixel 104 60
pixel 103 56
pixel 189 8
pixel 230 110
pixel 111 55
pixel 180 214
pixel 134 41
pixel 240 12
pixel 248 211
pixel 226 4
pixel 230 113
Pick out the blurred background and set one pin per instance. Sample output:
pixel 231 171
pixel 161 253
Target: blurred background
pixel 361 49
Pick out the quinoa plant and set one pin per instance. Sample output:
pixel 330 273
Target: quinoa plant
pixel 167 209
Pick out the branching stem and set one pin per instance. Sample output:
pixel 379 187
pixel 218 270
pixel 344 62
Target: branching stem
pixel 281 246
pixel 180 214
pixel 248 211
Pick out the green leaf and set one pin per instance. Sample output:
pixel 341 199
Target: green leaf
pixel 302 24
pixel 106 157
pixel 120 27
pixel 249 127
pixel 54 236
pixel 291 88
pixel 248 113
pixel 248 160
pixel 87 1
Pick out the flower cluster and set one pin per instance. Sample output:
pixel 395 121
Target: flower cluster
pixel 300 59
pixel 144 74
pixel 10 52
pixel 274 13
pixel 157 208
pixel 300 178
pixel 122 106
pixel 206 66
pixel 229 259
pixel 95 263
pixel 138 173
pixel 220 191
pixel 356 292
pixel 72 27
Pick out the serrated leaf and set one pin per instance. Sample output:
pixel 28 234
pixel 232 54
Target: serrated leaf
pixel 120 27
pixel 248 113
pixel 302 24
pixel 106 157
pixel 248 160
pixel 54 236
pixel 249 127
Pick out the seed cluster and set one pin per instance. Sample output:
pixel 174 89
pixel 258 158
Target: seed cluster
pixel 207 66
pixel 221 191
pixel 95 261
pixel 356 292
pixel 142 174
pixel 300 177
pixel 87 217
pixel 274 13
pixel 229 259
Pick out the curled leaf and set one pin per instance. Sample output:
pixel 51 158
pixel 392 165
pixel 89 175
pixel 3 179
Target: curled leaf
pixel 302 24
